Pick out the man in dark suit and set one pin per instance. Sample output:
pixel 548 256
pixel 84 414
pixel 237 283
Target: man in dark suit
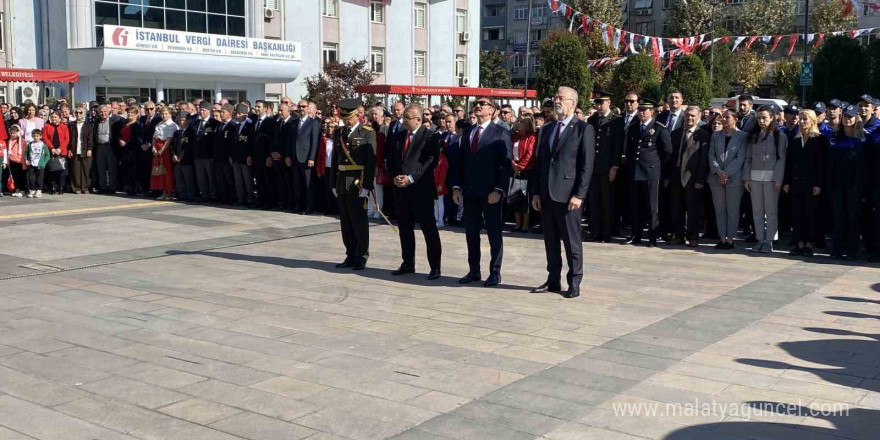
pixel 144 162
pixel 81 143
pixel 284 136
pixel 685 175
pixel 241 156
pixel 564 168
pixel 747 120
pixel 628 119
pixel 396 125
pixel 674 117
pixel 647 145
pixel 264 134
pixel 410 160
pixel 484 171
pixel 608 152
pixel 222 142
pixel 302 160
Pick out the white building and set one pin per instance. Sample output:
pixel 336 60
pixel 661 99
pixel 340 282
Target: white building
pixel 182 49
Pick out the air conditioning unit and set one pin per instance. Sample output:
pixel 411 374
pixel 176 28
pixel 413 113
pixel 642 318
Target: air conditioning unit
pixel 649 11
pixel 465 37
pixel 269 13
pixel 464 81
pixel 29 92
pixel 638 12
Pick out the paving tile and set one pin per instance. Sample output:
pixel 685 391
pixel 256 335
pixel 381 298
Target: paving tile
pixel 43 423
pixel 257 401
pixel 138 393
pixel 258 427
pixel 199 411
pixel 290 388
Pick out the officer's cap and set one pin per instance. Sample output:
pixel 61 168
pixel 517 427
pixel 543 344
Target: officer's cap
pixel 835 103
pixel 792 109
pixel 645 104
pixel 867 98
pixel 818 107
pixel 599 96
pixel 348 107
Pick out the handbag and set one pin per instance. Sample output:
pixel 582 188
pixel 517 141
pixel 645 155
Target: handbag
pixel 56 164
pixel 517 193
pixel 158 167
pixel 382 177
pixel 10 184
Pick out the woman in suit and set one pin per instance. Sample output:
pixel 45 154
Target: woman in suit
pixel 763 173
pixel 805 171
pixel 727 153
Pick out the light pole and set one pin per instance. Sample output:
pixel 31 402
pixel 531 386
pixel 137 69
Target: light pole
pixel 528 46
pixel 806 47
pixel 714 4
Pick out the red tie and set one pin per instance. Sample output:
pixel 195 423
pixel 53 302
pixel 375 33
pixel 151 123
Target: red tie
pixel 406 144
pixel 476 142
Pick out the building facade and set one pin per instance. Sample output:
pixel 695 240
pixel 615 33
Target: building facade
pixel 183 49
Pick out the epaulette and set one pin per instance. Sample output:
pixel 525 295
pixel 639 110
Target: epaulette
pixel 661 124
pixel 367 127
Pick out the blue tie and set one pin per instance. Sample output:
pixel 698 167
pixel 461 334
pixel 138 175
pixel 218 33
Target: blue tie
pixel 642 130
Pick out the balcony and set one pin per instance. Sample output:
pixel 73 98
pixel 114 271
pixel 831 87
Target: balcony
pixel 494 21
pixel 494 2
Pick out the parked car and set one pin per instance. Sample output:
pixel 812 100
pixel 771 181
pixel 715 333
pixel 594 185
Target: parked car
pixel 731 102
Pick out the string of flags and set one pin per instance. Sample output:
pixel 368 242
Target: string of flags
pixel 660 47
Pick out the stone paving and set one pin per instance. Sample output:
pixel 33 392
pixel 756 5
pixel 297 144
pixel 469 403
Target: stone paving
pixel 132 319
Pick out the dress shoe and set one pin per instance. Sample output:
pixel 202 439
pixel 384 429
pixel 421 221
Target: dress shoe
pixel 470 278
pixel 807 252
pixel 359 264
pixel 634 240
pixel 347 263
pixel 493 280
pixel 434 274
pixel 573 292
pixel 548 287
pixel 403 270
pixel 675 241
pixel 652 242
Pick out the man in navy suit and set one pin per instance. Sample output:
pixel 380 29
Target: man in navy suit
pixel 484 171
pixel 565 165
pixel 302 159
pixel 674 117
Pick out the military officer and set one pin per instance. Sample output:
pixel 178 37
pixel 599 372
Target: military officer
pixel 647 146
pixel 608 152
pixel 355 161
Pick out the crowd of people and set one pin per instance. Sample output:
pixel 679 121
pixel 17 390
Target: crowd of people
pixel 674 172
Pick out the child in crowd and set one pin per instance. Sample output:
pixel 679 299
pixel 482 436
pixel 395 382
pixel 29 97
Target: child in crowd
pixel 37 156
pixel 15 160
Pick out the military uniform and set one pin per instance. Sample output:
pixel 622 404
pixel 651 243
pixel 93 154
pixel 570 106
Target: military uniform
pixel 608 152
pixel 646 149
pixel 354 160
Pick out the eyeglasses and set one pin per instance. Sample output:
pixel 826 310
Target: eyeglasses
pixel 631 101
pixel 716 114
pixel 150 109
pixel 483 103
pixel 302 106
pixel 458 110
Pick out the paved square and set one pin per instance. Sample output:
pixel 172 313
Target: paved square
pixel 132 319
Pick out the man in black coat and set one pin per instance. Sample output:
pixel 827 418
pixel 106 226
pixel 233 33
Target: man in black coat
pixel 222 143
pixel 479 183
pixel 608 152
pixel 564 169
pixel 302 158
pixel 410 159
pixel 144 155
pixel 685 176
pixel 264 137
pixel 201 141
pixel 241 156
pixel 647 145
pixel 284 138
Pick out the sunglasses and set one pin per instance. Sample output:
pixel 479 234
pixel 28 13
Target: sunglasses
pixel 458 110
pixel 149 109
pixel 505 112
pixel 302 106
pixel 714 114
pixel 483 103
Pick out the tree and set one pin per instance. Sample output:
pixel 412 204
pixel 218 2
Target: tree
pixel 839 55
pixel 493 73
pixel 689 77
pixel 723 61
pixel 872 53
pixel 748 69
pixel 828 17
pixel 595 48
pixel 563 63
pixel 693 17
pixel 787 76
pixel 337 82
pixel 637 74
pixel 606 11
pixel 766 17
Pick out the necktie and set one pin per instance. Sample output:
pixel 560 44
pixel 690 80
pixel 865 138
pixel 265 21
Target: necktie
pixel 642 130
pixel 559 127
pixel 259 122
pixel 406 144
pixel 671 121
pixel 201 127
pixel 476 141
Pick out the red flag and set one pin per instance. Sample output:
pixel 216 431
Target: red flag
pixel 554 5
pixel 584 24
pixel 751 40
pixel 847 8
pixel 792 41
pixel 819 38
pixel 726 38
pixel 610 38
pixel 569 12
pixel 776 41
pixel 656 48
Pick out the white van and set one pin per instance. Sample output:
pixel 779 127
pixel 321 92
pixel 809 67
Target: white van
pixel 732 102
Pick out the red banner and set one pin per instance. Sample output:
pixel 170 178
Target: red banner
pixel 37 75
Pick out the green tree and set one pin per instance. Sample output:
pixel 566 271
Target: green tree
pixel 873 55
pixel 721 63
pixel 606 11
pixel 787 77
pixel 637 74
pixel 766 17
pixel 337 81
pixel 748 69
pixel 689 77
pixel 493 72
pixel 595 49
pixel 828 17
pixel 563 63
pixel 836 55
pixel 694 17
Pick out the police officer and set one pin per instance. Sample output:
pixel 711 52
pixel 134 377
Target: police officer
pixel 647 146
pixel 355 161
pixel 608 152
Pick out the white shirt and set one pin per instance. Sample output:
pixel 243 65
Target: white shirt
pixel 628 118
pixel 566 122
pixel 79 143
pixel 329 153
pixel 165 130
pixel 485 125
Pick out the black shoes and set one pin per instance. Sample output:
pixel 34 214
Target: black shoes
pixel 470 278
pixel 360 264
pixel 634 240
pixel 573 292
pixel 349 262
pixel 548 287
pixel 403 270
pixel 493 280
pixel 435 274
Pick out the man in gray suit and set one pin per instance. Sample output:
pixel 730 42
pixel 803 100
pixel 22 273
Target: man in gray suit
pixel 302 160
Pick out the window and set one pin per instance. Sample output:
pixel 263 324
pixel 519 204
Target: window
pixel 519 37
pixel 869 12
pixel 539 12
pixel 642 28
pixel 330 52
pixel 460 21
pixel 521 13
pixel 494 11
pixel 330 8
pixel 222 17
pixel 493 33
pixel 519 60
pixel 2 44
pixel 420 11
pixel 537 35
pixel 377 60
pixel 535 59
pixel 460 66
pixel 377 12
pixel 419 66
pixel 665 4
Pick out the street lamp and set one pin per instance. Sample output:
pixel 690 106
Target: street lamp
pixel 715 4
pixel 806 47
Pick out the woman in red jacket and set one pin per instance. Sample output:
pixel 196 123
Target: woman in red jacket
pixel 523 169
pixel 57 138
pixel 440 172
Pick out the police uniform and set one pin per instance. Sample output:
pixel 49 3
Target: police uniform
pixel 647 146
pixel 354 160
pixel 608 152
